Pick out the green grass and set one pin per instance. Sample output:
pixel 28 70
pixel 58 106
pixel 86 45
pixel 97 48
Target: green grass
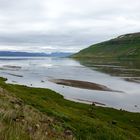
pixel 86 122
pixel 123 47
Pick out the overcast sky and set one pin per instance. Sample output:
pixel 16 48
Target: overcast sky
pixel 64 25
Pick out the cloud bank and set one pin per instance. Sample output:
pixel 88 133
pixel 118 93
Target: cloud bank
pixel 64 25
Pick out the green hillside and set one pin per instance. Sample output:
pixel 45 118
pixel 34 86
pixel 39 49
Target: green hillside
pixel 42 114
pixel 124 46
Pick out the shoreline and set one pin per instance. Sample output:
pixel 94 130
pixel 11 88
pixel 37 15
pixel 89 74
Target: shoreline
pixel 32 110
pixel 78 100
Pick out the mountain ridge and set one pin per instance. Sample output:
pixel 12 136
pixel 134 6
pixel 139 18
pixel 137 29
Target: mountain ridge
pixel 35 54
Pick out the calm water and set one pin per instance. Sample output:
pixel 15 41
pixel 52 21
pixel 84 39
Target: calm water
pixel 117 75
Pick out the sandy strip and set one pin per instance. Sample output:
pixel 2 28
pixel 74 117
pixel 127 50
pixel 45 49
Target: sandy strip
pixel 91 102
pixel 82 84
pixel 13 67
pixel 16 75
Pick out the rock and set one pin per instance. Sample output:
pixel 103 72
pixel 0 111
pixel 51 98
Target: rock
pixel 16 106
pixel 23 121
pixel 68 132
pixel 17 101
pixel 29 129
pixel 16 119
pixel 114 122
pixel 46 133
pixel 37 126
pixel 47 120
pixel 14 81
pixel 12 101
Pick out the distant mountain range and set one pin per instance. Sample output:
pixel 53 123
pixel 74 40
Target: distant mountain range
pixel 29 54
pixel 124 46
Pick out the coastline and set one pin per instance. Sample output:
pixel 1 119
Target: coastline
pixel 67 119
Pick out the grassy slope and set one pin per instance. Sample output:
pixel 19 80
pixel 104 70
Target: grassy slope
pixel 126 46
pixel 86 122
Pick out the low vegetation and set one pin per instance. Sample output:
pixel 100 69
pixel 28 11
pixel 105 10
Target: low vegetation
pixel 41 114
pixel 123 47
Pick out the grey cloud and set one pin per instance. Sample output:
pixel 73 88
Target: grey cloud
pixel 67 25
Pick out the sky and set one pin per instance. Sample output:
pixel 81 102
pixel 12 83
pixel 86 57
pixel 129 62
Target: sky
pixel 64 25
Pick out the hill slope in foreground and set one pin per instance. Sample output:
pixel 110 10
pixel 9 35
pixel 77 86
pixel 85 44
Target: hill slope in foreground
pixel 124 46
pixel 41 114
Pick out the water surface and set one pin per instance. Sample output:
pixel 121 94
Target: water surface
pixel 37 72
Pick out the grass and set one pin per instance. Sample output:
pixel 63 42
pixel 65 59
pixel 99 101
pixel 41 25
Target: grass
pixel 65 119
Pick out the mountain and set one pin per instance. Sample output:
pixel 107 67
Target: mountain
pixel 124 46
pixel 60 54
pixel 29 54
pixel 9 53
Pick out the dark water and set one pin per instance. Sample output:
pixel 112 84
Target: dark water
pixel 127 69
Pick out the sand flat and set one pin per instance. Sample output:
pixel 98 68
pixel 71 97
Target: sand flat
pixel 82 84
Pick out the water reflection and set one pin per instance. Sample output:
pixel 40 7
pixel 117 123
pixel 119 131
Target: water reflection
pixel 127 69
pixel 37 72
